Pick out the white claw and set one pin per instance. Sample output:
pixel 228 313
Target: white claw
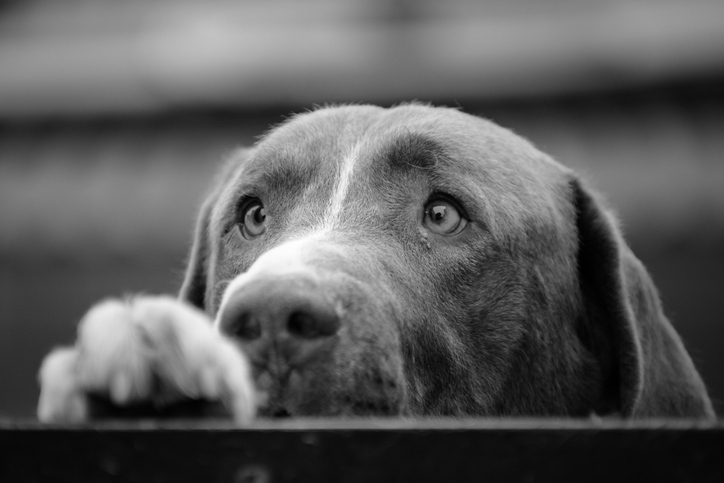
pixel 239 383
pixel 61 400
pixel 209 382
pixel 121 388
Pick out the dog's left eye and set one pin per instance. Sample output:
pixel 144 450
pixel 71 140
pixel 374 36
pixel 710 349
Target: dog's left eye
pixel 443 218
pixel 253 219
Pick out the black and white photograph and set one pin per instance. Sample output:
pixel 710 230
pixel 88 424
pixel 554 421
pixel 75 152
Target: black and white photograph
pixel 361 240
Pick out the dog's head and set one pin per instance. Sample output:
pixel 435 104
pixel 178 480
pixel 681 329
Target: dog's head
pixel 419 260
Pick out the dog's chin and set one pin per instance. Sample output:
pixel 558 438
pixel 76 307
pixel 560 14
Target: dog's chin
pixel 315 391
pixel 361 409
pixel 277 412
pixel 368 403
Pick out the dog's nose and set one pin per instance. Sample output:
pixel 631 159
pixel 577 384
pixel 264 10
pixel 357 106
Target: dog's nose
pixel 287 307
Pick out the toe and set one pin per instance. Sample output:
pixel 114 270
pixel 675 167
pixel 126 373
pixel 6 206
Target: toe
pixel 61 399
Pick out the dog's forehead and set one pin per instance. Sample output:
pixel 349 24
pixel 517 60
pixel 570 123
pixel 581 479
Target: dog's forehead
pixel 326 136
pixel 342 128
pixel 320 137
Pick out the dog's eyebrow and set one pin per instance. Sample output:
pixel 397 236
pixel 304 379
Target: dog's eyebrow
pixel 279 172
pixel 411 150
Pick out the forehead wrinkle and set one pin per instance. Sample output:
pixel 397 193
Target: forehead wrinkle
pixel 413 150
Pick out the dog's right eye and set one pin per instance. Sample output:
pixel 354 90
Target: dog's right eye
pixel 443 217
pixel 253 219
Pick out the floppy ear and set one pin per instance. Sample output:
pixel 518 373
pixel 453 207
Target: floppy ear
pixel 647 371
pixel 193 289
pixel 198 270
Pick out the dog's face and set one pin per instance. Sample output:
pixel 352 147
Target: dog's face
pixel 412 261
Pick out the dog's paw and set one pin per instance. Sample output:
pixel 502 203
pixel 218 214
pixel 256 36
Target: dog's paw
pixel 145 351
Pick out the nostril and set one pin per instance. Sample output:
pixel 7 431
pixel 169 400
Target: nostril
pixel 311 325
pixel 302 325
pixel 246 326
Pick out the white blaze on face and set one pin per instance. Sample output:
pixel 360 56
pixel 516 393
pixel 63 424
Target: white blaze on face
pixel 341 187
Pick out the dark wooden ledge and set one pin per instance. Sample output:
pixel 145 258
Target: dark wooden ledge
pixel 364 451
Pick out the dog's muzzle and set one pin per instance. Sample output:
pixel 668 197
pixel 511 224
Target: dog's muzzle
pixel 281 321
pixel 321 337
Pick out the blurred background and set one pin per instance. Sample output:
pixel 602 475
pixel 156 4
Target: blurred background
pixel 113 116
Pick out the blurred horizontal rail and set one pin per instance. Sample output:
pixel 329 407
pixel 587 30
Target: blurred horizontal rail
pixel 146 56
pixel 364 451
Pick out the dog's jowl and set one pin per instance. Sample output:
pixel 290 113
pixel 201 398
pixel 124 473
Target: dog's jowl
pixel 410 261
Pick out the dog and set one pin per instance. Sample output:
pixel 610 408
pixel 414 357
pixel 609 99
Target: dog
pixel 410 261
